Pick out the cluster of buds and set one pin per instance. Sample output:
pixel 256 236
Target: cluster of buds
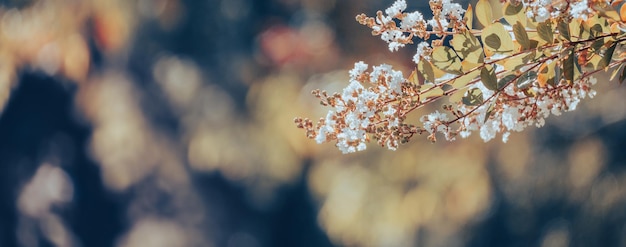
pixel 537 60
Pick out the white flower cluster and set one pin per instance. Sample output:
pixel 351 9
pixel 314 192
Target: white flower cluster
pixel 500 115
pixel 579 10
pixel 542 10
pixel 413 21
pixel 448 10
pixel 421 50
pixel 358 107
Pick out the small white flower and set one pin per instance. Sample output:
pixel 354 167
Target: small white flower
pixel 358 69
pixel 396 8
pixel 421 50
pixel 411 20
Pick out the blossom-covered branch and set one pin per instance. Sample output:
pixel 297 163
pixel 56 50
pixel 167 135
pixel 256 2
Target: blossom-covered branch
pixel 536 60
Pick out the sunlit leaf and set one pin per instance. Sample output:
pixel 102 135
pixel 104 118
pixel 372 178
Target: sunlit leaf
pixel 413 78
pixel 513 63
pixel 497 40
pixel 458 95
pixel 514 13
pixel 433 91
pixel 465 79
pixel 484 12
pixel 576 30
pixel 611 14
pixel 468 18
pixel 468 47
pixel 547 74
pixel 445 59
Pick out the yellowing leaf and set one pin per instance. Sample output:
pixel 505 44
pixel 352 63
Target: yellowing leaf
pixel 468 47
pixel 467 65
pixel 513 63
pixel 469 17
pixel 576 30
pixel 445 59
pixel 622 13
pixel 546 74
pixel 514 13
pixel 612 14
pixel 465 79
pixel 413 78
pixel 458 95
pixel 433 91
pixel 484 12
pixel 497 40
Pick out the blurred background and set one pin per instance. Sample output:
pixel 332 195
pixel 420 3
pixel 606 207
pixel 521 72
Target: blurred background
pixel 169 123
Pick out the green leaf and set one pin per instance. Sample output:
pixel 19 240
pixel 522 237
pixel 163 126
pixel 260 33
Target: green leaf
pixel 557 75
pixel 489 112
pixel 596 45
pixel 545 32
pixel 526 79
pixel 563 28
pixel 474 97
pixel 505 81
pixel 493 41
pixel 489 79
pixel 595 30
pixel 606 59
pixel 569 66
pixel 521 36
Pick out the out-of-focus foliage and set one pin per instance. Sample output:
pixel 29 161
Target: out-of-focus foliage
pixel 169 123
